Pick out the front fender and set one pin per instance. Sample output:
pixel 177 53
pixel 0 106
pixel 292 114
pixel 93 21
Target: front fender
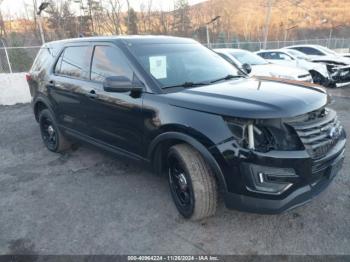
pixel 208 157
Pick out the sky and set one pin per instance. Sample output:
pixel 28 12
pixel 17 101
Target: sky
pixel 16 7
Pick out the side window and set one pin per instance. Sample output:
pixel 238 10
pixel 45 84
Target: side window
pixel 44 59
pixel 108 61
pixel 309 51
pixel 264 55
pixel 283 56
pixel 74 62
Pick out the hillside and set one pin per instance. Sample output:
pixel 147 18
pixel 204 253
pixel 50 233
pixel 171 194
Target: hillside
pixel 313 18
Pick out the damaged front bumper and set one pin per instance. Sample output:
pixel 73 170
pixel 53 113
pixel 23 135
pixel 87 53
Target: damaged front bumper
pixel 340 75
pixel 298 177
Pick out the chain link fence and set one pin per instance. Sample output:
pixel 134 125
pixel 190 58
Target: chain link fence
pixel 334 43
pixel 17 59
pixel 20 59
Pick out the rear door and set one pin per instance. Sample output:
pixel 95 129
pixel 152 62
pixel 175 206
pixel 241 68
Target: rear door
pixel 68 87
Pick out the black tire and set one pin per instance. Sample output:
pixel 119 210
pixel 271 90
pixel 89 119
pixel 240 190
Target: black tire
pixel 52 137
pixel 192 183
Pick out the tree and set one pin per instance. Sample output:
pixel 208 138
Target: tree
pixel 2 24
pixel 182 21
pixel 89 10
pixel 61 20
pixel 21 59
pixel 113 11
pixel 131 22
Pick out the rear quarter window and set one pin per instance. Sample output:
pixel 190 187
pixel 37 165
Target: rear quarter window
pixel 74 62
pixel 44 59
pixel 309 51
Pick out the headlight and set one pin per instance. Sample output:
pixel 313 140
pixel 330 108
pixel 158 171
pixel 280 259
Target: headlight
pixel 263 135
pixel 283 76
pixel 250 135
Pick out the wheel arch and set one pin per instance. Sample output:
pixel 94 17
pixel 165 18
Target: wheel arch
pixel 40 104
pixel 160 145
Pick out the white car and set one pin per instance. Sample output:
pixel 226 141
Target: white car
pixel 291 57
pixel 245 60
pixel 337 65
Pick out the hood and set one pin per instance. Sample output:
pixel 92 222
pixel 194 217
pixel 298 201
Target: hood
pixel 274 69
pixel 330 58
pixel 252 98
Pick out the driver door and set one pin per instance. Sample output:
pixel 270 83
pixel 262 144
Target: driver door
pixel 116 119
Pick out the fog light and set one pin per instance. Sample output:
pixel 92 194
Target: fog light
pixel 269 180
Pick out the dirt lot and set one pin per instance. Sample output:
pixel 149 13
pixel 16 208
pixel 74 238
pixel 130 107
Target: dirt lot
pixel 89 202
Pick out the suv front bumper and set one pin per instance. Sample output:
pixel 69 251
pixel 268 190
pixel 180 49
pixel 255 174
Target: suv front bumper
pixel 314 177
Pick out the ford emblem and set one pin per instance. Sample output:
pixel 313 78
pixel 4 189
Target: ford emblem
pixel 333 132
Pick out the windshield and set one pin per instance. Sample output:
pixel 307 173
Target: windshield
pixel 246 57
pixel 176 64
pixel 297 54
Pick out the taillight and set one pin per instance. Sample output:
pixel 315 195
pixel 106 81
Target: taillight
pixel 29 77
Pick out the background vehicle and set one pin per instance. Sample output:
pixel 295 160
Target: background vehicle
pixel 260 67
pixel 291 57
pixel 265 145
pixel 337 65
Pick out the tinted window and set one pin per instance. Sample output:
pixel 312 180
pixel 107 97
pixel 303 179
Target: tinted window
pixel 109 61
pixel 308 50
pixel 44 59
pixel 264 55
pixel 75 62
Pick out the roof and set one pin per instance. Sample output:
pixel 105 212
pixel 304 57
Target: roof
pixel 227 50
pixel 132 39
pixel 301 45
pixel 271 50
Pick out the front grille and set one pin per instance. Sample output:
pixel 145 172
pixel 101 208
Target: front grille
pixel 320 133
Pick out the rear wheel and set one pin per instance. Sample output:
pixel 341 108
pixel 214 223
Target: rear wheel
pixel 192 184
pixel 53 139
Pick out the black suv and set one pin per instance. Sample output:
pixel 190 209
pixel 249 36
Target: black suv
pixel 267 145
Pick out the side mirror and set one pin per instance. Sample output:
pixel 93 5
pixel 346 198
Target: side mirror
pixel 247 68
pixel 119 84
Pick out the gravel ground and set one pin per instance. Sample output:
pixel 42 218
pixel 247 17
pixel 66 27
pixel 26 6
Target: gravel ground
pixel 89 202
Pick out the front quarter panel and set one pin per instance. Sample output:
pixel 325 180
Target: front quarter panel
pixel 161 117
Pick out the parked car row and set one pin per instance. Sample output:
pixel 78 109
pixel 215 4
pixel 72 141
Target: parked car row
pixel 300 62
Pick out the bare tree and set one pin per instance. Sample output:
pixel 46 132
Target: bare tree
pixel 113 11
pixel 2 23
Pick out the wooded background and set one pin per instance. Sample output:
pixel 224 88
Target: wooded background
pixel 242 20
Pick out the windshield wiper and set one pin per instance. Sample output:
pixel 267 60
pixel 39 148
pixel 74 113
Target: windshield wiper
pixel 228 77
pixel 186 85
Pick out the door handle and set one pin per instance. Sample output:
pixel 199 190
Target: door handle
pixel 92 94
pixel 51 84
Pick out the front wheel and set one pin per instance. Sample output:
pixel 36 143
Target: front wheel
pixel 192 184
